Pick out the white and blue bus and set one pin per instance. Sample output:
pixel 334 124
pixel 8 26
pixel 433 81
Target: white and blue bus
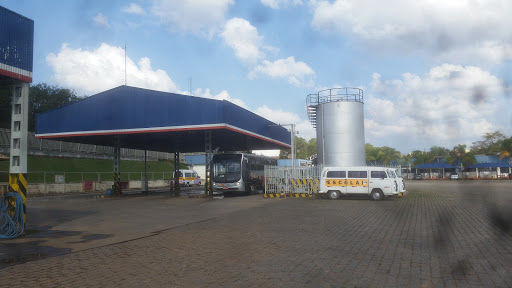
pixel 239 173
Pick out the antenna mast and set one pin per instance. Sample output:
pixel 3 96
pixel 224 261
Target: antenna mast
pixel 190 85
pixel 125 80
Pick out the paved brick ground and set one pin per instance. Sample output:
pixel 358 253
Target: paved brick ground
pixel 450 234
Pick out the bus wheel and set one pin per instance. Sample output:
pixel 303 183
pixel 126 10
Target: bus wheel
pixel 377 195
pixel 333 194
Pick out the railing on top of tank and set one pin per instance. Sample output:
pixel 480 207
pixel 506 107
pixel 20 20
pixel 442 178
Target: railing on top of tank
pixel 335 95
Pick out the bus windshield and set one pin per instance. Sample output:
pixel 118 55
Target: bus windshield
pixel 226 168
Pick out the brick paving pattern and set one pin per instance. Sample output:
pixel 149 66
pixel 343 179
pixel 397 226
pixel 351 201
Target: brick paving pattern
pixel 439 235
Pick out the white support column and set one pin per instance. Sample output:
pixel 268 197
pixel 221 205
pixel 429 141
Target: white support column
pixel 19 132
pixel 116 188
pixel 19 128
pixel 208 169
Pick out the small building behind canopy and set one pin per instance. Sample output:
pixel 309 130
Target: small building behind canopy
pixel 435 170
pixel 489 170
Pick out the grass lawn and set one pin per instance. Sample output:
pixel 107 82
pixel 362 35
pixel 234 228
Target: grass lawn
pixel 43 169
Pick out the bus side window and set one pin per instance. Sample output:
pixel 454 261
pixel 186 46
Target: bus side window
pixel 336 174
pixel 378 174
pixel 357 174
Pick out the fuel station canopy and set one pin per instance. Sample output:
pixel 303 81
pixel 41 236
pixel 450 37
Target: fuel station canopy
pixel 144 119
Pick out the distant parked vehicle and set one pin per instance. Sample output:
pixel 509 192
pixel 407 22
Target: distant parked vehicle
pixel 418 176
pixel 454 176
pixel 189 178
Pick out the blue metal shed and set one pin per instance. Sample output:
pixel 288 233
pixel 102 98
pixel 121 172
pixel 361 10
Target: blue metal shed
pixel 158 121
pixel 490 165
pixel 434 166
pixel 195 159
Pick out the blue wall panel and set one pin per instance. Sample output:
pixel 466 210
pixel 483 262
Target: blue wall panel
pixel 16 40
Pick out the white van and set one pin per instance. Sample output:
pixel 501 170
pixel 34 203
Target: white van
pixel 377 182
pixel 189 178
pixel 401 182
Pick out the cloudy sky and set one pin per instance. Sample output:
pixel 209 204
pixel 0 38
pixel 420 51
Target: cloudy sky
pixel 433 72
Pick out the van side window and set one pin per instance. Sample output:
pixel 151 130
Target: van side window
pixel 336 174
pixel 378 174
pixel 357 174
pixel 188 175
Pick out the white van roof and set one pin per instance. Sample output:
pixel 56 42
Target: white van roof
pixel 356 168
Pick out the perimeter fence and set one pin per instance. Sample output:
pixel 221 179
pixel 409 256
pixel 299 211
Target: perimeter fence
pixel 50 177
pixel 279 180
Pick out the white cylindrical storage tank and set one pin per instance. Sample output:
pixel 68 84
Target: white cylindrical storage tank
pixel 339 119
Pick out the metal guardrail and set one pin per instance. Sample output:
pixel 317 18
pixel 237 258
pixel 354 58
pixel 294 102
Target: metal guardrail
pixel 286 180
pixel 346 94
pixel 68 149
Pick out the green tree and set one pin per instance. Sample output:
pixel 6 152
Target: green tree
pixel 371 153
pixel 43 97
pixel 506 145
pixel 506 148
pixel 456 153
pixel 301 148
pixel 405 160
pixel 389 155
pixel 468 159
pixel 491 144
pixel 436 153
pixel 384 155
pixel 459 153
pixel 5 108
pixel 420 157
pixel 312 147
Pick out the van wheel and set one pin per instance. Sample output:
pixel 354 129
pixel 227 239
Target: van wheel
pixel 377 195
pixel 333 194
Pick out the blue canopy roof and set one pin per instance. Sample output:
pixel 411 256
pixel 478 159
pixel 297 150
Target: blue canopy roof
pixel 435 166
pixel 159 121
pixel 489 165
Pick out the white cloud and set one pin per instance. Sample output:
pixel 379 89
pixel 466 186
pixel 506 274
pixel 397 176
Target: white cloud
pixel 202 17
pixel 296 73
pixel 437 28
pixel 276 4
pixel 224 95
pixel 279 116
pixel 101 20
pixel 447 106
pixel 90 72
pixel 269 153
pixel 244 39
pixel 134 9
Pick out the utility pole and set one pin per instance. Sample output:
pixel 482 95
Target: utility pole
pixel 292 132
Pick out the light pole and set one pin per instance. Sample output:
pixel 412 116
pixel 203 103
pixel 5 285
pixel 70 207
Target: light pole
pixel 292 131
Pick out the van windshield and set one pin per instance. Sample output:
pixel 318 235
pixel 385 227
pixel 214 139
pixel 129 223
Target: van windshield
pixel 391 174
